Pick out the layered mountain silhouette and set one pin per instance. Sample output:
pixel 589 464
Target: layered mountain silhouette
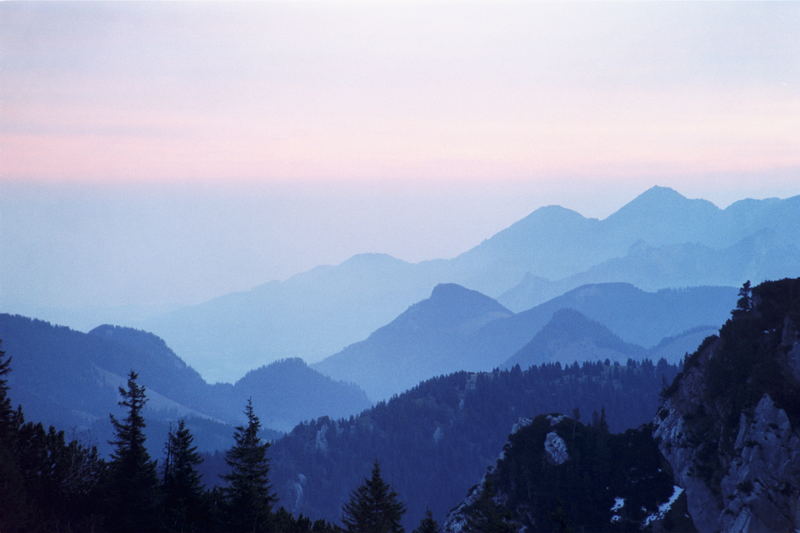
pixel 289 391
pixel 660 239
pixel 767 254
pixel 569 337
pixel 460 329
pixel 70 379
pixel 428 339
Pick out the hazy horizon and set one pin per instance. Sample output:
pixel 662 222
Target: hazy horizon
pixel 160 154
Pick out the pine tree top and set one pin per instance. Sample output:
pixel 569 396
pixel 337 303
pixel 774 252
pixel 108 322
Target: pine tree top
pixel 374 507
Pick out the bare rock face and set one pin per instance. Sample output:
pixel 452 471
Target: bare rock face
pixel 730 424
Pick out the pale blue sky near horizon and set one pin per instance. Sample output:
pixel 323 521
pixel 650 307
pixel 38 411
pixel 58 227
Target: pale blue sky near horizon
pixel 161 245
pixel 166 153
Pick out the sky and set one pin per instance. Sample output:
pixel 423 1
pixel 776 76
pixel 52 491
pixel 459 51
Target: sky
pixel 164 153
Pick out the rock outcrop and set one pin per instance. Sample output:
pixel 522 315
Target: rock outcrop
pixel 730 423
pixel 556 474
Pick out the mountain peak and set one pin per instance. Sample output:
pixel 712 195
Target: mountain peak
pixel 570 336
pixel 126 335
pixel 659 192
pixel 453 296
pixel 663 206
pixel 451 290
pixel 372 259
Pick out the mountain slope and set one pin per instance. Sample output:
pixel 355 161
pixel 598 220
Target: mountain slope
pixel 321 311
pixel 69 379
pixel 310 315
pixel 434 441
pixel 674 348
pixel 289 391
pixel 730 422
pixel 441 335
pixel 429 338
pixel 767 254
pixel 569 336
pixel 556 474
pixel 636 316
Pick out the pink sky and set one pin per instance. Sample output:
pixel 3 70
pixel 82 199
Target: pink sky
pixel 277 91
pixel 216 146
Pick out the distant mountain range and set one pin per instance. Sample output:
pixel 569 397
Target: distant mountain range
pixel 460 329
pixel 767 254
pixel 431 337
pixel 660 239
pixel 70 379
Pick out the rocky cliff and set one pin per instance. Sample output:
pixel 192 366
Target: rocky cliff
pixel 729 424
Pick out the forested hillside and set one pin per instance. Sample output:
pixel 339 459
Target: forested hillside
pixel 435 440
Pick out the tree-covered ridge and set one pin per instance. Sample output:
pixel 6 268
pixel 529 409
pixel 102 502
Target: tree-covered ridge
pixel 751 356
pixel 434 440
pixel 557 474
pixel 69 379
pixel 48 484
pixel 730 422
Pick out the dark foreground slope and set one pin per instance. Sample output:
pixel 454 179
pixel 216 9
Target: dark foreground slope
pixel 435 440
pixel 556 474
pixel 730 423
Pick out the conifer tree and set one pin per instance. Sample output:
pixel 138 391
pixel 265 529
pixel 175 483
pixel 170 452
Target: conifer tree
pixel 13 505
pixel 133 483
pixel 428 524
pixel 8 417
pixel 745 302
pixel 373 507
pixel 182 488
pixel 248 494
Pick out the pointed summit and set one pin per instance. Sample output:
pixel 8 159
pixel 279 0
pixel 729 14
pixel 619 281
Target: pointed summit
pixel 571 336
pixel 663 215
pixel 658 200
pixel 660 194
pixel 428 339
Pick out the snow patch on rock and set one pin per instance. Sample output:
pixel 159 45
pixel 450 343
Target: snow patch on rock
pixel 556 448
pixel 664 508
pixel 619 503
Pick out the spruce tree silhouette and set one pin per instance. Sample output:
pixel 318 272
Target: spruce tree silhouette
pixel 373 507
pixel 183 491
pixel 248 494
pixel 133 484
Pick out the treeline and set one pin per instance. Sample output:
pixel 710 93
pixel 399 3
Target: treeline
pixel 435 440
pixel 51 485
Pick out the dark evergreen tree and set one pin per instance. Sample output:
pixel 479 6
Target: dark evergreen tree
pixel 13 507
pixel 8 418
pixel 182 488
pixel 248 494
pixel 745 302
pixel 428 524
pixel 373 507
pixel 132 483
